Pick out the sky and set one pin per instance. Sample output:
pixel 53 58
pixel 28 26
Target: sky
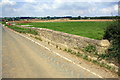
pixel 43 8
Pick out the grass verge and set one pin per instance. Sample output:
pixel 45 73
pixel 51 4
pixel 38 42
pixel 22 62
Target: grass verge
pixel 22 30
pixel 86 57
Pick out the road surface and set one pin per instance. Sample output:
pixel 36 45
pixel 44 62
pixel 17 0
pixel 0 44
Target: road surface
pixel 22 58
pixel 0 52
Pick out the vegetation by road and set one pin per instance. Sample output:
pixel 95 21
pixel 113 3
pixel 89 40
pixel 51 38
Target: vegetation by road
pixel 21 30
pixel 112 33
pixel 93 30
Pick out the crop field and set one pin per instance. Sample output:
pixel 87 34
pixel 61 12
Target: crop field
pixel 94 30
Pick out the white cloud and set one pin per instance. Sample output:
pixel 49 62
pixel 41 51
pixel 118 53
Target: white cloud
pixel 113 10
pixel 58 8
pixel 87 0
pixel 7 2
pixel 29 0
pixel 42 7
pixel 65 0
pixel 116 7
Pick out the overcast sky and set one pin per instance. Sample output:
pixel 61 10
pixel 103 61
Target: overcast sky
pixel 42 8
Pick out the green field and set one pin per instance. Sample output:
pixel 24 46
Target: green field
pixel 94 30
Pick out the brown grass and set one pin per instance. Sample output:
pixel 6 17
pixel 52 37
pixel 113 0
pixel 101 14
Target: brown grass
pixel 60 20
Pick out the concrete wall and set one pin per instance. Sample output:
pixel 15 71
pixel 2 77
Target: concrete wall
pixel 71 41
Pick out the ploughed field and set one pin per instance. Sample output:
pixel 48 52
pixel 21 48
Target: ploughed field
pixel 94 30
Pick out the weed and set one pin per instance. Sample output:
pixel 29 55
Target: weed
pixel 89 60
pixel 102 56
pixel 102 64
pixel 38 38
pixel 56 46
pixel 73 52
pixel 60 48
pixel 94 61
pixel 90 48
pixel 78 54
pixel 48 42
pixel 96 53
pixel 108 67
pixel 85 57
pixel 65 49
pixel 118 72
pixel 69 50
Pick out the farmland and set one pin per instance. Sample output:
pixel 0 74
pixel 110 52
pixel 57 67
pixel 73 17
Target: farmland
pixel 94 30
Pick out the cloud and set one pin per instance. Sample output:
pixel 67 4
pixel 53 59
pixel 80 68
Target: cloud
pixel 58 8
pixel 113 10
pixel 64 0
pixel 7 2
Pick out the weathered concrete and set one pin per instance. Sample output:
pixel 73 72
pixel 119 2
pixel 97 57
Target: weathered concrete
pixel 71 41
pixel 75 43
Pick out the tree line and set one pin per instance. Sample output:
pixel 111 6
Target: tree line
pixel 52 18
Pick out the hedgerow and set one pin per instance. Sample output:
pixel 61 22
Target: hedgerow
pixel 112 33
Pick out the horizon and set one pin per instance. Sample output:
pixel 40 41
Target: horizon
pixel 55 16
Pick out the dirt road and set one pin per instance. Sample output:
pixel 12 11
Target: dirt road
pixel 0 51
pixel 24 59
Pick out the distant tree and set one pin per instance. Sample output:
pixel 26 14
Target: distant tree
pixel 79 17
pixel 48 17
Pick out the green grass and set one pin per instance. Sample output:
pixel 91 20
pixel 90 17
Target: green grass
pixel 21 30
pixel 93 30
pixel 90 48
